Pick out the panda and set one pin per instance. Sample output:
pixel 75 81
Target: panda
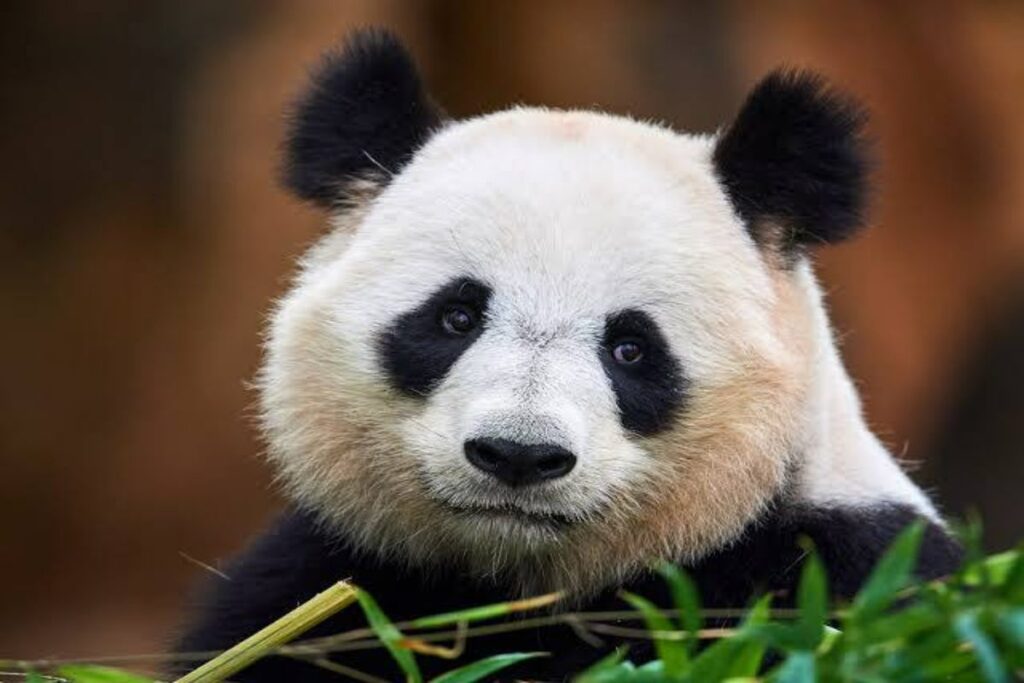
pixel 538 350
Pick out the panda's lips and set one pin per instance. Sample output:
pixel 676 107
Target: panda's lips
pixel 547 519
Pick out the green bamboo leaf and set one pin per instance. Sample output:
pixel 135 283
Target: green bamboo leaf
pixel 969 532
pixel 798 668
pixel 1011 625
pixel 672 652
pixel 959 666
pixel 655 666
pixel 746 663
pixel 738 656
pixel 999 567
pixel 930 645
pixel 969 630
pixel 687 601
pixel 483 668
pixel 601 669
pixel 778 635
pixel 917 618
pixel 832 638
pixel 33 677
pixel 651 672
pixel 726 658
pixel 890 575
pixel 759 612
pixel 619 672
pixel 1012 582
pixel 87 673
pixel 486 612
pixel 812 600
pixel 389 635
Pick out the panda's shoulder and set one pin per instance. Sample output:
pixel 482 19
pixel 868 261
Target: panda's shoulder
pixel 295 552
pixel 285 565
pixel 295 558
pixel 853 538
pixel 850 539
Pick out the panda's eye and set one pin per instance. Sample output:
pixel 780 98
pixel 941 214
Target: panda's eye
pixel 628 352
pixel 458 320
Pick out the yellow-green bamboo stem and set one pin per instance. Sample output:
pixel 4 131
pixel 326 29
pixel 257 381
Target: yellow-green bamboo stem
pixel 301 619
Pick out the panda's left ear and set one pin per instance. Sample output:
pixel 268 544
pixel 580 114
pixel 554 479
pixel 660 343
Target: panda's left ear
pixel 363 116
pixel 795 162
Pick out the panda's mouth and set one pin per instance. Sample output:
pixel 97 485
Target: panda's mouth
pixel 551 520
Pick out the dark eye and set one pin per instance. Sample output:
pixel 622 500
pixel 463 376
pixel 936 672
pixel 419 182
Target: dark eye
pixel 457 319
pixel 627 352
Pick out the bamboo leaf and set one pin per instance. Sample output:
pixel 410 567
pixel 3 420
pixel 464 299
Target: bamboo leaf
pixel 486 612
pixel 651 672
pixel 479 670
pixel 907 661
pixel 798 668
pixel 812 599
pixel 737 656
pixel 608 668
pixel 1013 579
pixel 87 673
pixel 832 637
pixel 1011 625
pixel 891 574
pixel 389 635
pixel 906 623
pixel 968 628
pixel 687 601
pixel 953 665
pixel 747 660
pixel 672 652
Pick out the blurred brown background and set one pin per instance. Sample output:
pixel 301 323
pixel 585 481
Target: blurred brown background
pixel 142 236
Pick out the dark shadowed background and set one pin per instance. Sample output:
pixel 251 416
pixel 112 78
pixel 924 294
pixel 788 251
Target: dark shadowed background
pixel 142 237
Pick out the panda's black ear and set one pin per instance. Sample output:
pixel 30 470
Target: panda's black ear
pixel 364 115
pixel 795 162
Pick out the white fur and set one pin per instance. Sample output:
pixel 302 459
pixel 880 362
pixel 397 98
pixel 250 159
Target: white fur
pixel 844 461
pixel 568 216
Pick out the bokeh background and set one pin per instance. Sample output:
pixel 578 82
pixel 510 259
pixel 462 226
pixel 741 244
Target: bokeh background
pixel 143 236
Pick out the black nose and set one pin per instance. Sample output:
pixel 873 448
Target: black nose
pixel 519 464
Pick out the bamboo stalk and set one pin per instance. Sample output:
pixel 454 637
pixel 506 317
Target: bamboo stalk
pixel 301 619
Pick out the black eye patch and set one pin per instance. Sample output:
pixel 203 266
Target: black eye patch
pixel 650 390
pixel 419 348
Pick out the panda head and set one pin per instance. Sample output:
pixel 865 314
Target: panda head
pixel 551 345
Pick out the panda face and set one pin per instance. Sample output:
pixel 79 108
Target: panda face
pixel 549 332
pixel 551 347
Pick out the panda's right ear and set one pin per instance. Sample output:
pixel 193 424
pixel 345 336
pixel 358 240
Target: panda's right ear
pixel 363 116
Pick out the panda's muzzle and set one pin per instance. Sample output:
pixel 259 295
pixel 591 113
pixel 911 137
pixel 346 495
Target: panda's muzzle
pixel 517 464
pixel 551 520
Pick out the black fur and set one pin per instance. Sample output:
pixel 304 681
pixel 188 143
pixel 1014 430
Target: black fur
pixel 795 160
pixel 295 560
pixel 364 115
pixel 849 541
pixel 416 351
pixel 651 392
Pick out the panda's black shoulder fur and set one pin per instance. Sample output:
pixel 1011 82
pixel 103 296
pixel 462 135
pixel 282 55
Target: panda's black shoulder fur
pixel 295 559
pixel 796 160
pixel 365 113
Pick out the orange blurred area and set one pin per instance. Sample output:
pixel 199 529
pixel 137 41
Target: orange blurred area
pixel 143 236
